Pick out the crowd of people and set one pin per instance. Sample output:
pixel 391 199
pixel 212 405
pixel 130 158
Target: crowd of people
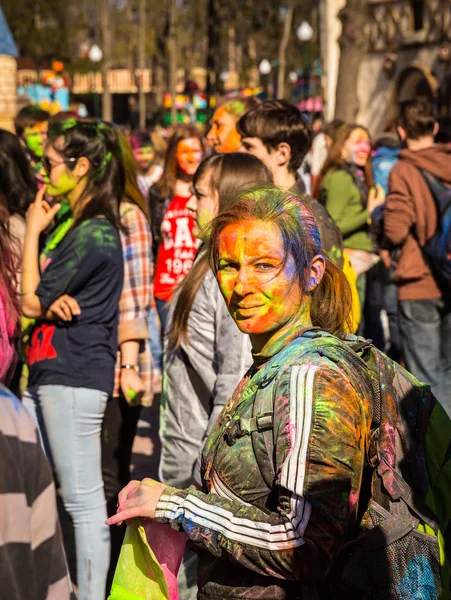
pixel 211 268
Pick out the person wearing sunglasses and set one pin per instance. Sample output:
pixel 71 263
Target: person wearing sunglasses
pixel 74 299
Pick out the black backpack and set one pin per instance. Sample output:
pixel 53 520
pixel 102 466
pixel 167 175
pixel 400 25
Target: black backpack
pixel 437 250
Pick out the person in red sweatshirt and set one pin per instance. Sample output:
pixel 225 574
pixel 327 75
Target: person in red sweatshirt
pixel 410 220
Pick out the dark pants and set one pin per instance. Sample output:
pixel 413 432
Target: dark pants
pixel 118 432
pixel 162 309
pixel 426 339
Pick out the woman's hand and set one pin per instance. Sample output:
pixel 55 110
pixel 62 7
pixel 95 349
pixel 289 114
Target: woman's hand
pixel 137 499
pixel 40 214
pixel 132 386
pixel 376 197
pixel 65 308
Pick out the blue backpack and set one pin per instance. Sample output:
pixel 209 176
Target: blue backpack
pixel 437 250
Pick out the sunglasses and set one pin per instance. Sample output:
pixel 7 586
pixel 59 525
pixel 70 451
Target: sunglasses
pixel 49 163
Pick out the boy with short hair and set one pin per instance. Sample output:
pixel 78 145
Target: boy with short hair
pixel 32 123
pixel 410 220
pixel 276 133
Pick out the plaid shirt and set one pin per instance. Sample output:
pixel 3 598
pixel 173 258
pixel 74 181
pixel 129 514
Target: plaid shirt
pixel 136 297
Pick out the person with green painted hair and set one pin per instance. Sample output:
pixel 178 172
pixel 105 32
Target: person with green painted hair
pixel 32 123
pixel 223 136
pixel 74 298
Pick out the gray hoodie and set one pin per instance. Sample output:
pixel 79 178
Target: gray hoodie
pixel 199 378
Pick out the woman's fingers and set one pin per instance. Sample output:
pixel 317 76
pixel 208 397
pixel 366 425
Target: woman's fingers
pixel 40 195
pixel 124 515
pixel 65 308
pixel 72 305
pixel 128 489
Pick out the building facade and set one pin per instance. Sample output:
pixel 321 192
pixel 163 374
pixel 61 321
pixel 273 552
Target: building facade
pixel 408 54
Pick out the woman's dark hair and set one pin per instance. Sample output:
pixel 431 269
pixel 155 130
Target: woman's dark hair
pixel 230 174
pixel 165 187
pixel 17 184
pixel 9 268
pixel 417 118
pixel 99 143
pixel 336 161
pixel 331 300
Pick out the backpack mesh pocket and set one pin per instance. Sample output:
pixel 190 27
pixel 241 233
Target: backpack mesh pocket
pixel 406 569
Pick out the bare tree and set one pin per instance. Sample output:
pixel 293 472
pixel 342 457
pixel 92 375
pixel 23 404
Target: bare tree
pixel 352 48
pixel 284 41
pixel 172 52
pixel 104 15
pixel 142 61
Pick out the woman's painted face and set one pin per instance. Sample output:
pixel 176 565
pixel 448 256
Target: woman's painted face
pixel 35 138
pixel 262 294
pixel 203 205
pixel 357 147
pixel 60 181
pixel 223 136
pixel 189 155
pixel 144 157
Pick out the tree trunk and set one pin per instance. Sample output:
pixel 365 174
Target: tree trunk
pixel 142 62
pixel 352 49
pixel 282 75
pixel 107 104
pixel 212 42
pixel 172 52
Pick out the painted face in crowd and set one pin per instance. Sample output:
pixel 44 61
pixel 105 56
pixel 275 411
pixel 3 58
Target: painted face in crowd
pixel 144 157
pixel 189 155
pixel 223 136
pixel 357 147
pixel 262 294
pixel 35 138
pixel 203 205
pixel 58 177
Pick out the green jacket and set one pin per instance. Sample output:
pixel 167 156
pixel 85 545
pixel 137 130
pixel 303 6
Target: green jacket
pixel 342 199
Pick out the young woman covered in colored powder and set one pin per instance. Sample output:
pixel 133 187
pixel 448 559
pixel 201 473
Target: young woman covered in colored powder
pixel 223 136
pixel 345 187
pixel 273 513
pixel 71 353
pixel 206 355
pixel 173 242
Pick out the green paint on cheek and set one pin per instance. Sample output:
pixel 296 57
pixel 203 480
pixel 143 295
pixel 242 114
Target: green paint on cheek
pixel 62 186
pixel 35 144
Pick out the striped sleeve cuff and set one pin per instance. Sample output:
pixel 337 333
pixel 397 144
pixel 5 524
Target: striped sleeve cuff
pixel 167 505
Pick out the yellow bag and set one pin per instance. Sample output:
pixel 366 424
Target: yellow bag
pixel 138 573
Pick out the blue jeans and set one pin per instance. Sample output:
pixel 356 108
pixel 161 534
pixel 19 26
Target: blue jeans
pixel 155 340
pixel 425 327
pixel 70 421
pixel 162 308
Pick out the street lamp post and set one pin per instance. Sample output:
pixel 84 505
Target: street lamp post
pixel 95 56
pixel 304 33
pixel 265 69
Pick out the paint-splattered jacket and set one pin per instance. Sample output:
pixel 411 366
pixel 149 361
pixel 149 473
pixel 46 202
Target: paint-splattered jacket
pixel 275 541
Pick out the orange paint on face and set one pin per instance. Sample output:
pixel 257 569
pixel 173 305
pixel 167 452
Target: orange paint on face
pixel 262 294
pixel 189 155
pixel 223 135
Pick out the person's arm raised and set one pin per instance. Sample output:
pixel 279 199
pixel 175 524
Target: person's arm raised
pixel 39 217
